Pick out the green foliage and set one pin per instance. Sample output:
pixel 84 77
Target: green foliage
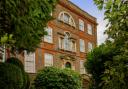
pixel 26 81
pixel 18 63
pixel 15 61
pixel 54 78
pixel 115 61
pixel 116 14
pixel 25 21
pixel 10 76
pixel 6 38
pixel 95 64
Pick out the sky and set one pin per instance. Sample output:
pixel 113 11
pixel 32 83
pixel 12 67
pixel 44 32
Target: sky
pixel 91 8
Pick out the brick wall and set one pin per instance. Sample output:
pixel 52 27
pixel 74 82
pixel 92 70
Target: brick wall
pixel 60 27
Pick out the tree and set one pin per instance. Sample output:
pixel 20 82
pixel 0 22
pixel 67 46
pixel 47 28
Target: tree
pixel 22 22
pixel 115 74
pixel 54 78
pixel 95 64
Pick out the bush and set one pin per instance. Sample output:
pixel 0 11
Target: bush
pixel 26 82
pixel 18 63
pixel 54 78
pixel 10 76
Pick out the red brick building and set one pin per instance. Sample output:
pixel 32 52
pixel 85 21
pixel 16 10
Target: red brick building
pixel 71 35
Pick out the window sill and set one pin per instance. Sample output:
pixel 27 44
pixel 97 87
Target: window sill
pixel 81 30
pixel 48 43
pixel 82 52
pixel 90 34
pixel 67 50
pixel 66 23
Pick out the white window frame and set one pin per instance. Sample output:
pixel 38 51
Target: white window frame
pixel 73 48
pixel 61 43
pixel 90 46
pixel 71 20
pixel 49 37
pixel 67 41
pixel 82 45
pixel 89 29
pixel 82 68
pixel 66 18
pixel 29 59
pixel 1 53
pixel 81 25
pixel 48 57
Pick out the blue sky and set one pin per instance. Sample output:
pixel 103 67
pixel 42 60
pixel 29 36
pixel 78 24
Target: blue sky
pixel 91 8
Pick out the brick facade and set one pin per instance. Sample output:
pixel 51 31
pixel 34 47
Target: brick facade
pixel 59 28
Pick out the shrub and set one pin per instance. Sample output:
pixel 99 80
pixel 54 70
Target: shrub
pixel 55 78
pixel 18 63
pixel 26 82
pixel 10 76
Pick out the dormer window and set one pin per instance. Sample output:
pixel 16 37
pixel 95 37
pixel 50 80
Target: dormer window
pixel 67 18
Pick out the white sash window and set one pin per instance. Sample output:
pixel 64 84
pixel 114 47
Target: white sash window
pixel 29 61
pixel 81 25
pixel 82 68
pixel 90 46
pixel 48 59
pixel 82 45
pixel 90 29
pixel 49 37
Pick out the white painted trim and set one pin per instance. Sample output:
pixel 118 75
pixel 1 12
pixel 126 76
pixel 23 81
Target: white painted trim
pixel 71 18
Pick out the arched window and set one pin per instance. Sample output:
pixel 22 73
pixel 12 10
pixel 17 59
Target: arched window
pixel 68 65
pixel 67 18
pixel 67 41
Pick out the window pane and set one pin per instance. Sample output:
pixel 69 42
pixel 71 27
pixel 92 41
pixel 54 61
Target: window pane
pixel 90 46
pixel 73 46
pixel 48 59
pixel 67 41
pixel 66 18
pixel 29 62
pixel 81 25
pixel 89 29
pixel 48 38
pixel 72 22
pixel 82 45
pixel 61 43
pixel 82 69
